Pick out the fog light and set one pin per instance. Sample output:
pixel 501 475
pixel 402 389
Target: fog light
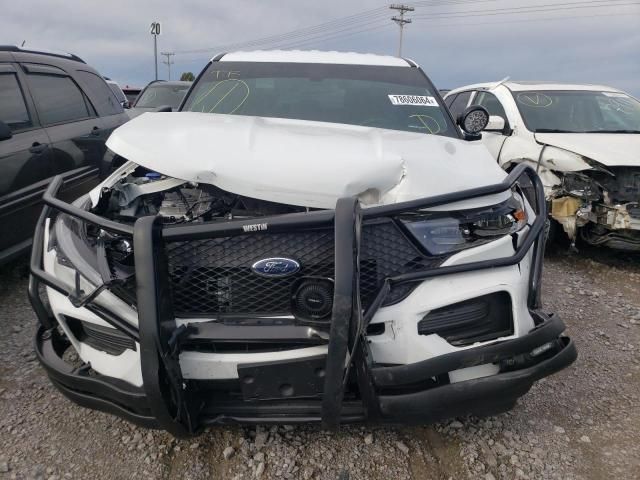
pixel 313 299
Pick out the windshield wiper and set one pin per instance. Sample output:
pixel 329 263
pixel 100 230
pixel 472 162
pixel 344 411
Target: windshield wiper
pixel 612 131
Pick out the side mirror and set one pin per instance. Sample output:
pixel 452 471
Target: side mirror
pixel 164 108
pixel 473 120
pixel 496 124
pixel 5 131
pixel 125 104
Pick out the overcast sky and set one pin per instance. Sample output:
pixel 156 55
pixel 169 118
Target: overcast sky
pixel 569 43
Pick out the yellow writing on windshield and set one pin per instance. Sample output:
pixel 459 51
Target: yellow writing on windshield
pixel 426 122
pixel 225 96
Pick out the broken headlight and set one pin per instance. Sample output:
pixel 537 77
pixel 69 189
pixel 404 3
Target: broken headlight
pixel 578 184
pixel 447 232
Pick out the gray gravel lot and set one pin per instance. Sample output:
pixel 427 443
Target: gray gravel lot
pixel 583 423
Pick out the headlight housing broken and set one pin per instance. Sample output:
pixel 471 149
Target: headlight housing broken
pixel 442 233
pixel 581 185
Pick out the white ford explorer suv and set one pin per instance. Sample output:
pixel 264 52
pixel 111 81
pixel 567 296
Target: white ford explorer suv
pixel 584 142
pixel 310 238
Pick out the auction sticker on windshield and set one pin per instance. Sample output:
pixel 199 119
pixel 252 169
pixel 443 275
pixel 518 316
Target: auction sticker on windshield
pixel 413 100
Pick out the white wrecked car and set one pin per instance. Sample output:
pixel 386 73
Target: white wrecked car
pixel 309 239
pixel 584 142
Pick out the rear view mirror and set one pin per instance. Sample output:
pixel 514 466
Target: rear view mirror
pixel 496 124
pixel 5 131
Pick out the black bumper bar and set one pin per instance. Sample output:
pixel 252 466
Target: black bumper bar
pixel 93 391
pixel 547 330
pixel 175 407
pixel 482 396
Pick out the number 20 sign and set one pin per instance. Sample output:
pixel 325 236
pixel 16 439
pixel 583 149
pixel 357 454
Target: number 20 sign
pixel 155 28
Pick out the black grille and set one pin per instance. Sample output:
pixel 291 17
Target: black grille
pixel 107 339
pixel 477 320
pixel 213 277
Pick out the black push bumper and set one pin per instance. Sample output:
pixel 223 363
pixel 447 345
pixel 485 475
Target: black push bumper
pixel 352 386
pixel 482 396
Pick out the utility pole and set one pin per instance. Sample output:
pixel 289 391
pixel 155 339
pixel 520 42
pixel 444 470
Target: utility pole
pixel 155 53
pixel 155 31
pixel 401 21
pixel 168 62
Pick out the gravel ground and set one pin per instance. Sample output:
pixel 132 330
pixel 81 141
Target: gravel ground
pixel 582 423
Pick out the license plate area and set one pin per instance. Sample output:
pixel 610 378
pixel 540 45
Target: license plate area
pixel 300 378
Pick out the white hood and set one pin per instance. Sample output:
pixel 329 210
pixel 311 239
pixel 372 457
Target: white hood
pixel 610 149
pixel 300 162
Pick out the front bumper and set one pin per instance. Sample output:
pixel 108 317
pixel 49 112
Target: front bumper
pixel 349 386
pixel 414 404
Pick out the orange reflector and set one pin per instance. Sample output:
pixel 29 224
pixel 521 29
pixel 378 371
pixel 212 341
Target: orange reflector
pixel 519 215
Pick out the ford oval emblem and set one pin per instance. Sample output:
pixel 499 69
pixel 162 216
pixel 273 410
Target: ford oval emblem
pixel 275 267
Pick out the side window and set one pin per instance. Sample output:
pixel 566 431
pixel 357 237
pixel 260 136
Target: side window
pixel 491 103
pixel 460 103
pixel 99 93
pixel 57 98
pixel 449 100
pixel 13 110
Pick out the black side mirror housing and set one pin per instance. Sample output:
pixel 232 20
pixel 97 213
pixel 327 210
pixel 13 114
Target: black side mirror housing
pixel 164 108
pixel 5 131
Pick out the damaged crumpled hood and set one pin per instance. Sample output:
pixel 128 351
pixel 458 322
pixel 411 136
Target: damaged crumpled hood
pixel 610 149
pixel 300 162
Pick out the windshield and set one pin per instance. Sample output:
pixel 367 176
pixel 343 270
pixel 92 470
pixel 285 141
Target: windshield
pixel 132 95
pixel 116 91
pixel 579 111
pixel 397 98
pixel 160 95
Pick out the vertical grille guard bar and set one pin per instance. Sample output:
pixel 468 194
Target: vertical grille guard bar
pixel 162 379
pixel 345 290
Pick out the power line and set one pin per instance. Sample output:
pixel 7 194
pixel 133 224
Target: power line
pixel 367 17
pixel 372 25
pixel 325 38
pixel 332 36
pixel 550 7
pixel 336 23
pixel 438 3
pixel 401 21
pixel 374 19
pixel 348 32
pixel 320 35
pixel 527 20
pixel 168 61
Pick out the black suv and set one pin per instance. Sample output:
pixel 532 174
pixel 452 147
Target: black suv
pixel 56 112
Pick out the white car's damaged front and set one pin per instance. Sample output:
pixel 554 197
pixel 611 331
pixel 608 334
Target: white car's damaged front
pixel 583 141
pixel 309 239
pixel 591 145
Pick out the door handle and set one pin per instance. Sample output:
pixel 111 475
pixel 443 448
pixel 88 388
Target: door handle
pixel 95 131
pixel 38 147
